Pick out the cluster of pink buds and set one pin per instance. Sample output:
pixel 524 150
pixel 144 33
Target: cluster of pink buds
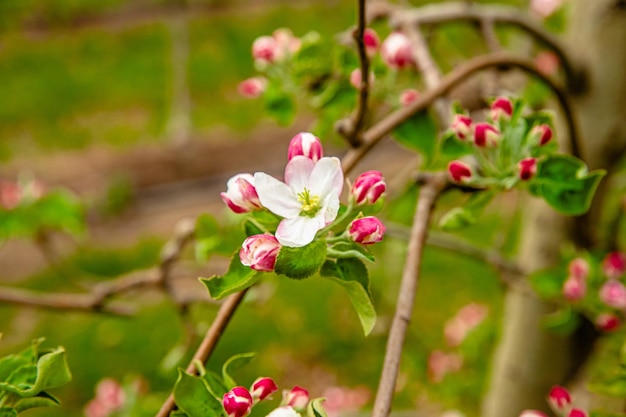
pixel 307 201
pixel 239 401
pixel 487 137
pixel 110 397
pixel 270 49
pixel 575 286
pixel 560 402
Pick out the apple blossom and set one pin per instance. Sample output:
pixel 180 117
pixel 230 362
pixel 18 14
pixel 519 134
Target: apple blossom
pixel 527 168
pixel 305 144
pixel 461 126
pixel 547 62
pixel 613 294
pixel 262 388
pixel 285 411
pixel 368 187
pixel 356 78
pixel 237 402
pixel 396 51
pixel 265 50
pixel 607 322
pixel 574 288
pixel 577 412
pixel 10 194
pixel 287 43
pixel 366 230
pixel 297 397
pixel 544 8
pixel 578 267
pixel 459 171
pixel 371 42
pixel 308 200
pixel 240 195
pixel 252 87
pixel 409 96
pixel 259 252
pixel 559 398
pixel 502 107
pixel 543 133
pixel 614 264
pixel 533 413
pixel 486 135
pixel 440 364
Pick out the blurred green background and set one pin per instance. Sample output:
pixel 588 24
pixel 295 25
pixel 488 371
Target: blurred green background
pixel 78 74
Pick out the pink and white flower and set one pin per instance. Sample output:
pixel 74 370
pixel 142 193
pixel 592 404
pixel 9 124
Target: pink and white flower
pixel 241 195
pixel 371 41
pixel 368 187
pixel 396 51
pixel 356 78
pixel 607 322
pixel 613 294
pixel 305 144
pixel 468 318
pixel 297 398
pixel 527 168
pixel 262 388
pixel 559 399
pixel 441 363
pixel 543 134
pixel 486 135
pixel 285 411
pixel 308 200
pixel 461 126
pixel 459 171
pixel 578 412
pixel 252 87
pixel 544 8
pixel 265 50
pixel 533 413
pixel 237 402
pixel 366 230
pixel 259 252
pixel 409 96
pixel 502 107
pixel 574 288
pixel 578 267
pixel 547 62
pixel 614 264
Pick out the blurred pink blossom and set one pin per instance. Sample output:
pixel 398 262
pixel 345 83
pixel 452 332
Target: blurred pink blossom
pixel 544 8
pixel 343 399
pixel 547 62
pixel 467 318
pixel 440 364
pixel 109 397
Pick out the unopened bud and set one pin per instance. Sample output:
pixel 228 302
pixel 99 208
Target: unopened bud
pixel 559 398
pixel 237 402
pixel 305 144
pixel 613 294
pixel 366 230
pixel 409 96
pixel 486 135
pixel 262 388
pixel 614 264
pixel 356 78
pixel 265 50
pixel 252 87
pixel 368 187
pixel 501 107
pixel 543 133
pixel 532 413
pixel 298 398
pixel 259 252
pixel 461 126
pixel 396 51
pixel 371 41
pixel 527 168
pixel 607 322
pixel 459 171
pixel 578 267
pixel 577 412
pixel 240 195
pixel 574 288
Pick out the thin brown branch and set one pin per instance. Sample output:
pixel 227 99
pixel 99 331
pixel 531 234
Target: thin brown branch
pixel 406 296
pixel 351 128
pixel 376 133
pixel 224 314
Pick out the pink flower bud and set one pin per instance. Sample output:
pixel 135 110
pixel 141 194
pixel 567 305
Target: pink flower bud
pixel 544 8
pixel 252 87
pixel 305 144
pixel 559 398
pixel 95 408
pixel 110 393
pixel 287 43
pixel 440 364
pixel 366 230
pixel 262 388
pixel 607 322
pixel 574 288
pixel 461 126
pixel 368 187
pixel 577 412
pixel 532 413
pixel 371 41
pixel 355 78
pixel 10 195
pixel 298 398
pixel 459 171
pixel 259 252
pixel 547 62
pixel 266 50
pixel 240 195
pixel 501 107
pixel 614 264
pixel 237 402
pixel 409 96
pixel 527 168
pixel 543 133
pixel 486 135
pixel 613 294
pixel 396 51
pixel 578 267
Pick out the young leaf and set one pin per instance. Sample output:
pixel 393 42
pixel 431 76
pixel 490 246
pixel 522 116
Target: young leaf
pixel 419 133
pixel 299 263
pixel 237 278
pixel 352 275
pixel 452 147
pixel 51 371
pixel 43 399
pixel 215 384
pixel 315 408
pixel 193 397
pixel 232 364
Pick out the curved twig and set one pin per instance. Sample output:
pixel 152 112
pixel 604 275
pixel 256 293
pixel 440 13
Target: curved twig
pixel 500 59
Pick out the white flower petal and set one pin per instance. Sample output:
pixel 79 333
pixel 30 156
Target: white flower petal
pixel 298 231
pixel 276 196
pixel 326 178
pixel 330 208
pixel 297 173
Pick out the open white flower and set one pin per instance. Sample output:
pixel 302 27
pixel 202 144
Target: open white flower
pixel 308 200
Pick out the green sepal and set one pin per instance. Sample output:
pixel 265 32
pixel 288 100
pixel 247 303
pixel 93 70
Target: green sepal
pixel 564 183
pixel 232 364
pixel 193 397
pixel 300 263
pixel 352 275
pixel 315 408
pixel 419 132
pixel 237 278
pixel 563 321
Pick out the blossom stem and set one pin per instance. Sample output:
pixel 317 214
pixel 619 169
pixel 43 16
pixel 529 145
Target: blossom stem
pixel 337 254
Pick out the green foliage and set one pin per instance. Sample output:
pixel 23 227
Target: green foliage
pixel 193 397
pixel 300 263
pixel 25 378
pixel 419 133
pixel 315 408
pixel 233 364
pixel 352 275
pixel 237 278
pixel 460 217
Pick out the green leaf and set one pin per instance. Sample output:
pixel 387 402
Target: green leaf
pixel 278 104
pixel 563 181
pixel 352 275
pixel 614 385
pixel 547 283
pixel 562 322
pixel 452 147
pixel 43 399
pixel 299 263
pixel 234 363
pixel 315 408
pixel 419 133
pixel 8 412
pixel 237 278
pixel 215 384
pixel 193 397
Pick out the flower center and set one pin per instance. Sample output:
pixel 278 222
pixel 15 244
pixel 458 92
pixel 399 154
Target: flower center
pixel 310 203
